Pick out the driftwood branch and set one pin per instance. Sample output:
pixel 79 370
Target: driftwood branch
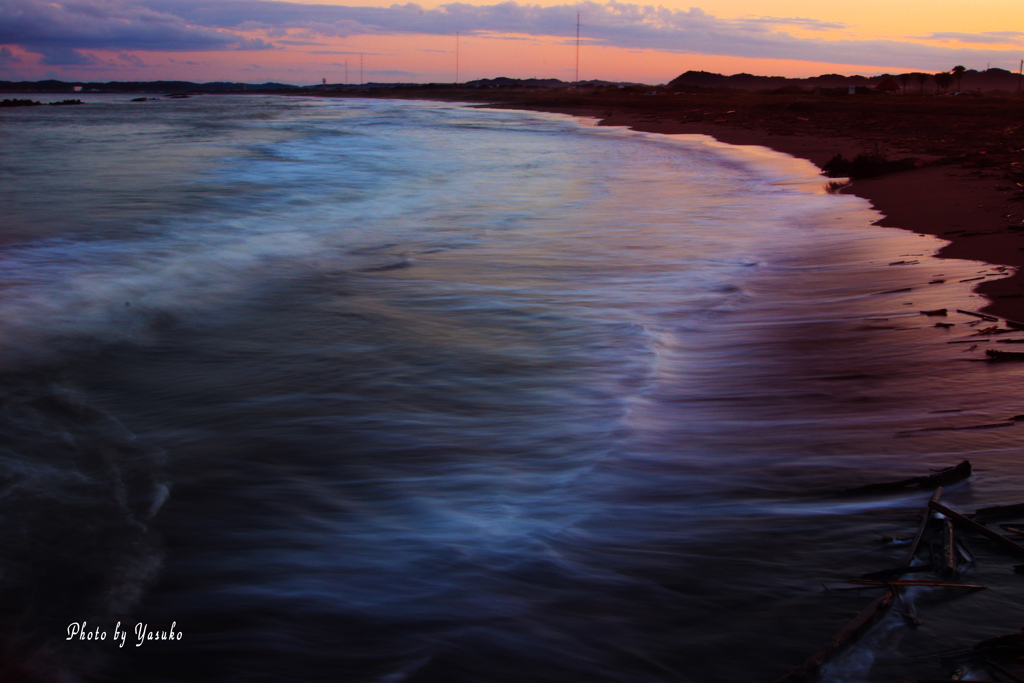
pixel 1004 356
pixel 912 551
pixel 938 529
pixel 1014 510
pixel 858 625
pixel 947 567
pixel 957 518
pixel 944 477
pixel 935 584
pixel 989 318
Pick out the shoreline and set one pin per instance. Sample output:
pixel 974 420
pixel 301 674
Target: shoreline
pixel 976 210
pixel 955 204
pixel 967 188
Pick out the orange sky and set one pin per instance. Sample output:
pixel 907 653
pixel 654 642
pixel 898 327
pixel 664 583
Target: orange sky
pixel 302 42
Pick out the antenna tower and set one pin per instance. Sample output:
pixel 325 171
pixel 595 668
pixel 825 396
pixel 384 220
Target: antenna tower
pixel 577 48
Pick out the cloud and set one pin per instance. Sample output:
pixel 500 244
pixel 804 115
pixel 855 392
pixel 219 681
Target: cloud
pixel 59 30
pixel 613 23
pixel 8 58
pixel 990 37
pixel 49 28
pixel 64 56
pixel 302 43
pixel 131 59
pixel 799 22
pixel 254 44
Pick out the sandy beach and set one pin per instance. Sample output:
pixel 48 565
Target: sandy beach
pixel 966 184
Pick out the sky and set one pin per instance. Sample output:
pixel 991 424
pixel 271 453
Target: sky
pixel 302 42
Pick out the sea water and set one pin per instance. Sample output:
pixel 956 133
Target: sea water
pixel 363 390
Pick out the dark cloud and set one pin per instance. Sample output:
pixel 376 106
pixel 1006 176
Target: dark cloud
pixel 131 59
pixel 254 44
pixel 64 56
pixel 272 15
pixel 7 57
pixel 49 28
pixel 60 30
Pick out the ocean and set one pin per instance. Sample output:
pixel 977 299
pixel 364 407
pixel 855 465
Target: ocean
pixel 309 389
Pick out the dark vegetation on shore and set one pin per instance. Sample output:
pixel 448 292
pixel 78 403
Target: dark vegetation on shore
pixel 19 103
pixel 865 166
pixel 965 80
pixel 32 103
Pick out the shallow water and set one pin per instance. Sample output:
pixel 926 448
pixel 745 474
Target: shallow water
pixel 397 391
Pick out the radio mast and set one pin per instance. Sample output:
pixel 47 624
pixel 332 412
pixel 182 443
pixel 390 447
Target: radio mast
pixel 577 81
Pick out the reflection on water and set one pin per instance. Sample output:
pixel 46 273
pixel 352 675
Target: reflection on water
pixel 403 391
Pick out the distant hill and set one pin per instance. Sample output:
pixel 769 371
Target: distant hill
pixel 164 87
pixel 506 82
pixel 972 81
pixel 990 80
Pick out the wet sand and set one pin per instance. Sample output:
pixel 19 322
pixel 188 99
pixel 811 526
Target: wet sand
pixel 969 151
pixel 967 186
pixel 973 208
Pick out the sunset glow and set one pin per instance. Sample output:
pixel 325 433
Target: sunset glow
pixel 258 41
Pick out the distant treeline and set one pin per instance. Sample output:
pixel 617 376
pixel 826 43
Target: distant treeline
pixel 168 87
pixel 909 82
pixel 33 103
pixel 957 79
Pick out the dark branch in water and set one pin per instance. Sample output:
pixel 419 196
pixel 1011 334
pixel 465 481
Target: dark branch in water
pixel 957 518
pixel 983 657
pixel 945 477
pixel 856 626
